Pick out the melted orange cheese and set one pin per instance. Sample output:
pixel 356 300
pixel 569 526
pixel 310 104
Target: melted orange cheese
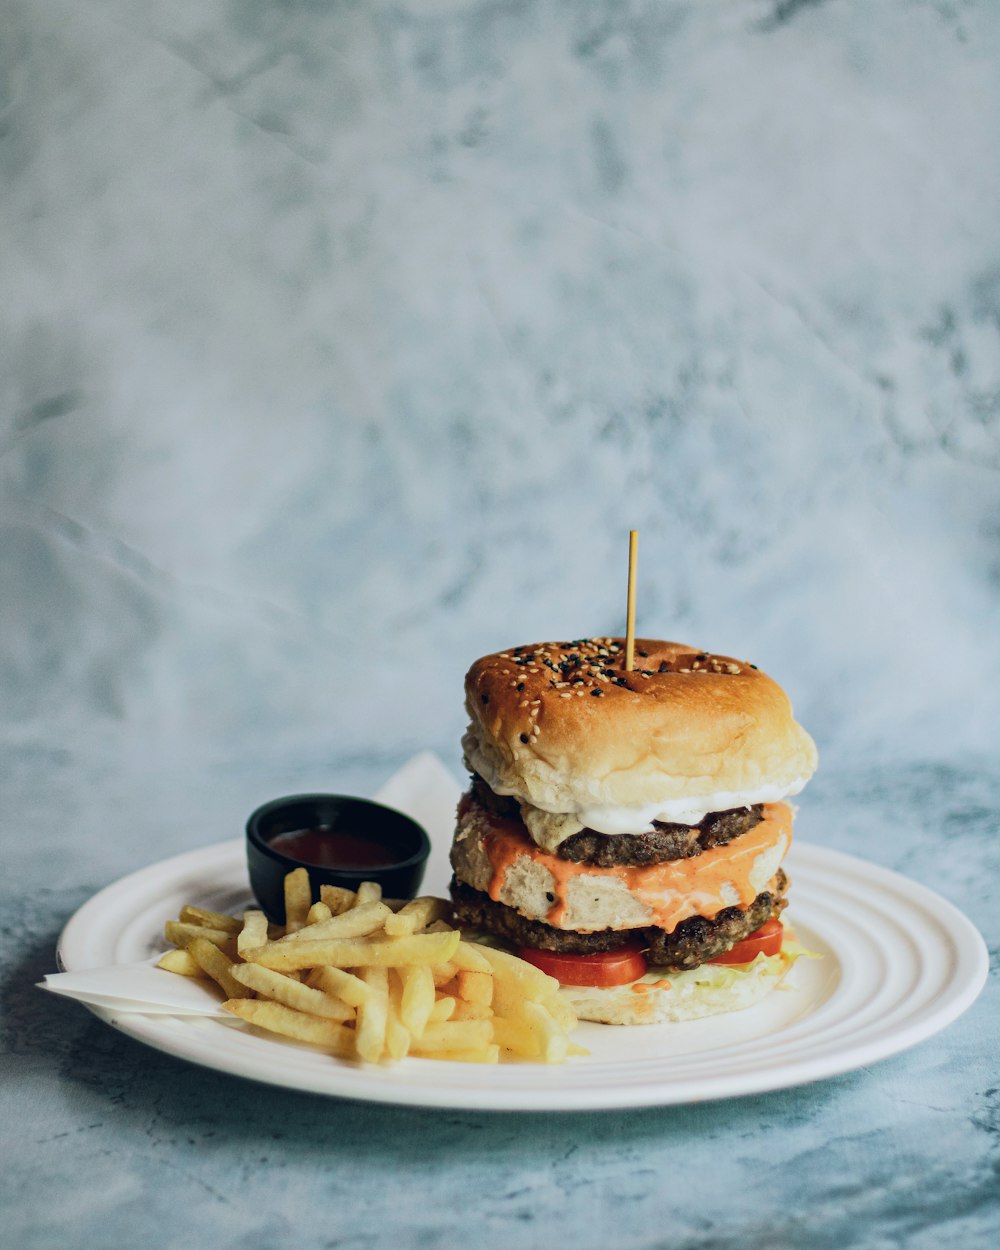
pixel 672 891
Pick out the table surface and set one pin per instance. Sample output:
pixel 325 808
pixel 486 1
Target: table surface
pixel 333 332
pixel 126 1146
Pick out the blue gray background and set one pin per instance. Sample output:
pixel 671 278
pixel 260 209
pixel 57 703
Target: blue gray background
pixel 343 342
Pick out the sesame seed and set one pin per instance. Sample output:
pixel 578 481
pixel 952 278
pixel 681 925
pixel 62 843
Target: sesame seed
pixel 565 696
pixel 524 738
pixel 597 692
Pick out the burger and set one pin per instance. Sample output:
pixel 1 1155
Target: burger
pixel 625 829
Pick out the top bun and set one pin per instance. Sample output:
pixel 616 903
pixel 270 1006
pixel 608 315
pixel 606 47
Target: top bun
pixel 565 728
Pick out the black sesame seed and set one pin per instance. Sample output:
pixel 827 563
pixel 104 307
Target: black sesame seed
pixel 520 685
pixel 620 681
pixel 644 654
pixel 551 897
pixel 753 665
pixel 597 692
pixel 524 737
pixel 664 667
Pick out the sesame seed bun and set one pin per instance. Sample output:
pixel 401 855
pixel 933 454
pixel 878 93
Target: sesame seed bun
pixel 565 729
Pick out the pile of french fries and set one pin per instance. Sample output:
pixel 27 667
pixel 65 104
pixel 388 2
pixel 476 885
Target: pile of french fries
pixel 369 982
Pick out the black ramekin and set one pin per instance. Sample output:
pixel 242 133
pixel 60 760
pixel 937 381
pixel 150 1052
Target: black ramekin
pixel 268 867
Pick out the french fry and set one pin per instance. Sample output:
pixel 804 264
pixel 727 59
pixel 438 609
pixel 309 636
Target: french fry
pixel 317 913
pixel 474 987
pixel 253 933
pixel 485 1054
pixel 471 1011
pixel 209 919
pixel 298 899
pixel 444 972
pixel 337 898
pixel 417 997
pixel 415 916
pixel 470 959
pixel 397 1035
pixel 553 1043
pixel 443 1009
pixel 516 977
pixel 367 892
pixel 179 960
pixel 517 1037
pixel 182 933
pixel 292 993
pixel 561 1010
pixel 358 922
pixel 217 965
pixel 373 1016
pixel 340 984
pixel 454 1035
pixel 421 948
pixel 277 1018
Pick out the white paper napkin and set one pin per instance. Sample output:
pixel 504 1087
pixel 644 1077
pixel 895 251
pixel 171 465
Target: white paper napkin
pixel 138 987
pixel 423 788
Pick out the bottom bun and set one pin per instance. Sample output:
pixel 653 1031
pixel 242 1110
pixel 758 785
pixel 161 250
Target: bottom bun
pixel 670 996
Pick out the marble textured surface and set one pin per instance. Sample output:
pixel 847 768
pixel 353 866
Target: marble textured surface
pixel 342 342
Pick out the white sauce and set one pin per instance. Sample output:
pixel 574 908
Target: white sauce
pixel 550 828
pixel 681 811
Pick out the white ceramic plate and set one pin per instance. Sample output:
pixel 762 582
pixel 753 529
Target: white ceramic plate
pixel 899 964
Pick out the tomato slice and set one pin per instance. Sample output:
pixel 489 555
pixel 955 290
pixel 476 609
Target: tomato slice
pixel 616 967
pixel 763 941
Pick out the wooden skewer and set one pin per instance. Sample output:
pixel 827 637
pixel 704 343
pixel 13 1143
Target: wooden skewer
pixel 633 543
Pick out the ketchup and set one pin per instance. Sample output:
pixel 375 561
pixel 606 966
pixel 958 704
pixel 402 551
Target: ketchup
pixel 324 847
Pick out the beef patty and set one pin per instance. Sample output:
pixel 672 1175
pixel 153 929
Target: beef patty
pixel 664 842
pixel 693 941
